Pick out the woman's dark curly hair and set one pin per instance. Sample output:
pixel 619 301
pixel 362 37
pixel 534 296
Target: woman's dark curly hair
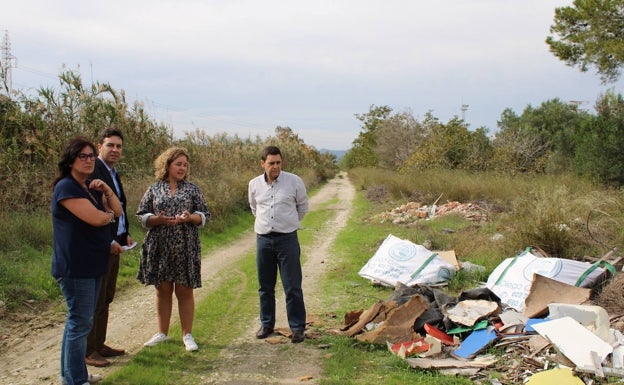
pixel 69 154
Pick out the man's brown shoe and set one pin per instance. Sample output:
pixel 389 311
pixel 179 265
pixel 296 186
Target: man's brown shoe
pixel 96 359
pixel 297 336
pixel 264 332
pixel 107 351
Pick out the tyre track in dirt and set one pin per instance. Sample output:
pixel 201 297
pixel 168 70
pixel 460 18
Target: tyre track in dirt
pixel 30 350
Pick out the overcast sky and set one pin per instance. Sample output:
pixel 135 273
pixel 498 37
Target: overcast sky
pixel 246 66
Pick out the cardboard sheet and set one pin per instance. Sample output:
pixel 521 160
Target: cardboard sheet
pixel 399 325
pixel 441 363
pixel 545 291
pixel 366 317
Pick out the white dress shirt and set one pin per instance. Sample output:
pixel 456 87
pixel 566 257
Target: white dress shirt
pixel 279 206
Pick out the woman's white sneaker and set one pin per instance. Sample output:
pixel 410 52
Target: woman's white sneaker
pixel 189 343
pixel 156 339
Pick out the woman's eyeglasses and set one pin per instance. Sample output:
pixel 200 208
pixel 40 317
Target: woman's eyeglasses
pixel 84 157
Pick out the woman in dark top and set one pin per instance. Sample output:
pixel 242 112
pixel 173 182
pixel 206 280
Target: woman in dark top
pixel 82 211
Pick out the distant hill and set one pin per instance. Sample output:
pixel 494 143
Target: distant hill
pixel 337 153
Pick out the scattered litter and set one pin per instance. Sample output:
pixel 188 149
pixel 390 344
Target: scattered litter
pixel 440 335
pixel 531 322
pixel 472 267
pixel 399 323
pixel 535 310
pixel 449 362
pixel 618 357
pixel 465 329
pixel 593 318
pixel 545 291
pixel 512 321
pixel 497 237
pixel 409 348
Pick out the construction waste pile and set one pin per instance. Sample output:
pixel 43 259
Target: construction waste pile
pixel 534 309
pixel 412 212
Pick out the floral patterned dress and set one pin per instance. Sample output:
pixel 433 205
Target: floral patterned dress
pixel 172 253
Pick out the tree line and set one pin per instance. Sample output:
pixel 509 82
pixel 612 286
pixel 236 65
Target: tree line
pixel 34 128
pixel 554 137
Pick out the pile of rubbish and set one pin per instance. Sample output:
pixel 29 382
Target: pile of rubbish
pixel 412 212
pixel 534 308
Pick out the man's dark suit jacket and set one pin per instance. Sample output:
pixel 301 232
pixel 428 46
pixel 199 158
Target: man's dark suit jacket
pixel 101 172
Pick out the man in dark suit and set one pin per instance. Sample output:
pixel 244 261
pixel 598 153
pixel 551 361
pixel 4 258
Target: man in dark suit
pixel 110 146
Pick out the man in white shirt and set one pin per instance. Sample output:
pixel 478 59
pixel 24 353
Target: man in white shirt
pixel 279 201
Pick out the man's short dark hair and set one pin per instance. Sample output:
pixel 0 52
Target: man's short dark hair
pixel 270 150
pixel 111 131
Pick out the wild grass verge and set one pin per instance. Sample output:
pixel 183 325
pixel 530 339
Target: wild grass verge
pixel 566 216
pixel 26 255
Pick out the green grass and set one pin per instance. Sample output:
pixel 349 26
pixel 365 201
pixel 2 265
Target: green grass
pixel 25 278
pixel 354 363
pixel 219 318
pixel 26 255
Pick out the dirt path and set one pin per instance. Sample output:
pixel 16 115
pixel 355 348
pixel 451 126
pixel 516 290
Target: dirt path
pixel 30 350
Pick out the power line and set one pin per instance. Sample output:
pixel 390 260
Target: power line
pixel 37 72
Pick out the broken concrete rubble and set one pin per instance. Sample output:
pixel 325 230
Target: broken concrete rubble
pixel 413 211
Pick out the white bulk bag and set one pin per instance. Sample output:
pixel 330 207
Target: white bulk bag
pixel 511 279
pixel 398 260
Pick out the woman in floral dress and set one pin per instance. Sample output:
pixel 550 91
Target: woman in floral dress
pixel 172 210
